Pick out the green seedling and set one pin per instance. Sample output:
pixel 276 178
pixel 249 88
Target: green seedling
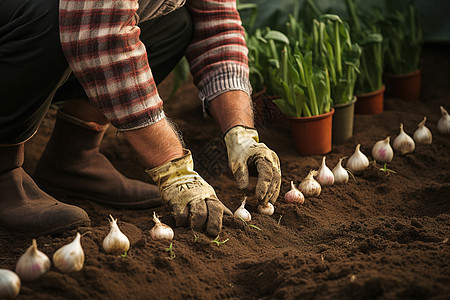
pixel 250 225
pixel 386 170
pixel 125 255
pixel 196 236
pixel 171 251
pixel 217 242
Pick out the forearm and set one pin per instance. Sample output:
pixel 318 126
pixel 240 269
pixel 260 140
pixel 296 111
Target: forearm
pixel 232 108
pixel 155 144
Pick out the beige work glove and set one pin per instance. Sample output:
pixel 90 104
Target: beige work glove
pixel 192 199
pixel 243 151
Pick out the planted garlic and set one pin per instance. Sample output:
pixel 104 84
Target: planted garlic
pixel 340 174
pixel 266 209
pixel 422 135
pixel 325 177
pixel 242 212
pixel 32 264
pixel 294 195
pixel 115 242
pixel 309 186
pixel 382 151
pixel 9 284
pixel 160 231
pixel 70 258
pixel 403 143
pixel 358 161
pixel 443 125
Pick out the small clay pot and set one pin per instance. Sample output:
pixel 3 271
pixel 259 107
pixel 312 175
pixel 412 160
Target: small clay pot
pixel 343 121
pixel 404 86
pixel 312 135
pixel 370 103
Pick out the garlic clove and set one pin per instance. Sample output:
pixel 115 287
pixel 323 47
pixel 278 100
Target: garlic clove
pixel 160 230
pixel 242 212
pixel 340 174
pixel 358 161
pixel 423 135
pixel 403 143
pixel 309 186
pixel 325 177
pixel 9 284
pixel 115 242
pixel 32 264
pixel 382 151
pixel 70 257
pixel 294 195
pixel 266 209
pixel 443 125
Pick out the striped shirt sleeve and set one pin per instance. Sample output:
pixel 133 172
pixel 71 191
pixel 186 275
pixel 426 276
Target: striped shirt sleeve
pixel 217 53
pixel 101 43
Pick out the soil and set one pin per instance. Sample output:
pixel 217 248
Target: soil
pixel 380 236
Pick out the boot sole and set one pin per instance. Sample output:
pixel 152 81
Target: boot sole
pixel 53 231
pixel 64 194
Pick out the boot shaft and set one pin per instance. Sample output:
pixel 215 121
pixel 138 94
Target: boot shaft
pixel 11 157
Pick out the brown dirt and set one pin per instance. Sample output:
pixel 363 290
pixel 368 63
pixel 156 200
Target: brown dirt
pixel 377 237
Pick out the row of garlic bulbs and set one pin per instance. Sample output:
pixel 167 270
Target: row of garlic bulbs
pixel 69 258
pixel 382 152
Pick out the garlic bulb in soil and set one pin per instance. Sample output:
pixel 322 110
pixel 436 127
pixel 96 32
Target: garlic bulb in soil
pixel 443 125
pixel 358 161
pixel 403 143
pixel 115 242
pixel 242 212
pixel 70 257
pixel 294 195
pixel 32 264
pixel 9 284
pixel 160 231
pixel 325 177
pixel 309 186
pixel 340 174
pixel 422 135
pixel 382 151
pixel 266 209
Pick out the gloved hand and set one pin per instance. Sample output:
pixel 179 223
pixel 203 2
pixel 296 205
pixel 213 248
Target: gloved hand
pixel 192 199
pixel 243 150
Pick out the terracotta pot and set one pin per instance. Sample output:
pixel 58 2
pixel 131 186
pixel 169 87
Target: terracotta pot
pixel 264 110
pixel 404 86
pixel 370 103
pixel 343 121
pixel 312 135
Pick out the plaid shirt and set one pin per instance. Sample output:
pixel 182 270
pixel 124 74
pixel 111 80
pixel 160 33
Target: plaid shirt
pixel 100 40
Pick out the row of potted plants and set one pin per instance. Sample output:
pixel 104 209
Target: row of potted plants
pixel 313 74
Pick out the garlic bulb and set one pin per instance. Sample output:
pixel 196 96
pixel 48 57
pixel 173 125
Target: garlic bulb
pixel 243 213
pixel 403 143
pixel 309 186
pixel 160 231
pixel 340 174
pixel 70 258
pixel 32 264
pixel 115 242
pixel 422 135
pixel 9 284
pixel 294 195
pixel 325 177
pixel 266 209
pixel 443 125
pixel 358 161
pixel 382 151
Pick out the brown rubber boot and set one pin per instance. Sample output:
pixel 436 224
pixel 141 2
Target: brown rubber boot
pixel 72 167
pixel 25 207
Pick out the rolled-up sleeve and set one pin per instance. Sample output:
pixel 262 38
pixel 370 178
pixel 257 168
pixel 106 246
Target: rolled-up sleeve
pixel 218 53
pixel 101 43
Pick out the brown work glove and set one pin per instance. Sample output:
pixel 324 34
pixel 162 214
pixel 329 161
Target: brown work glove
pixel 192 199
pixel 243 151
